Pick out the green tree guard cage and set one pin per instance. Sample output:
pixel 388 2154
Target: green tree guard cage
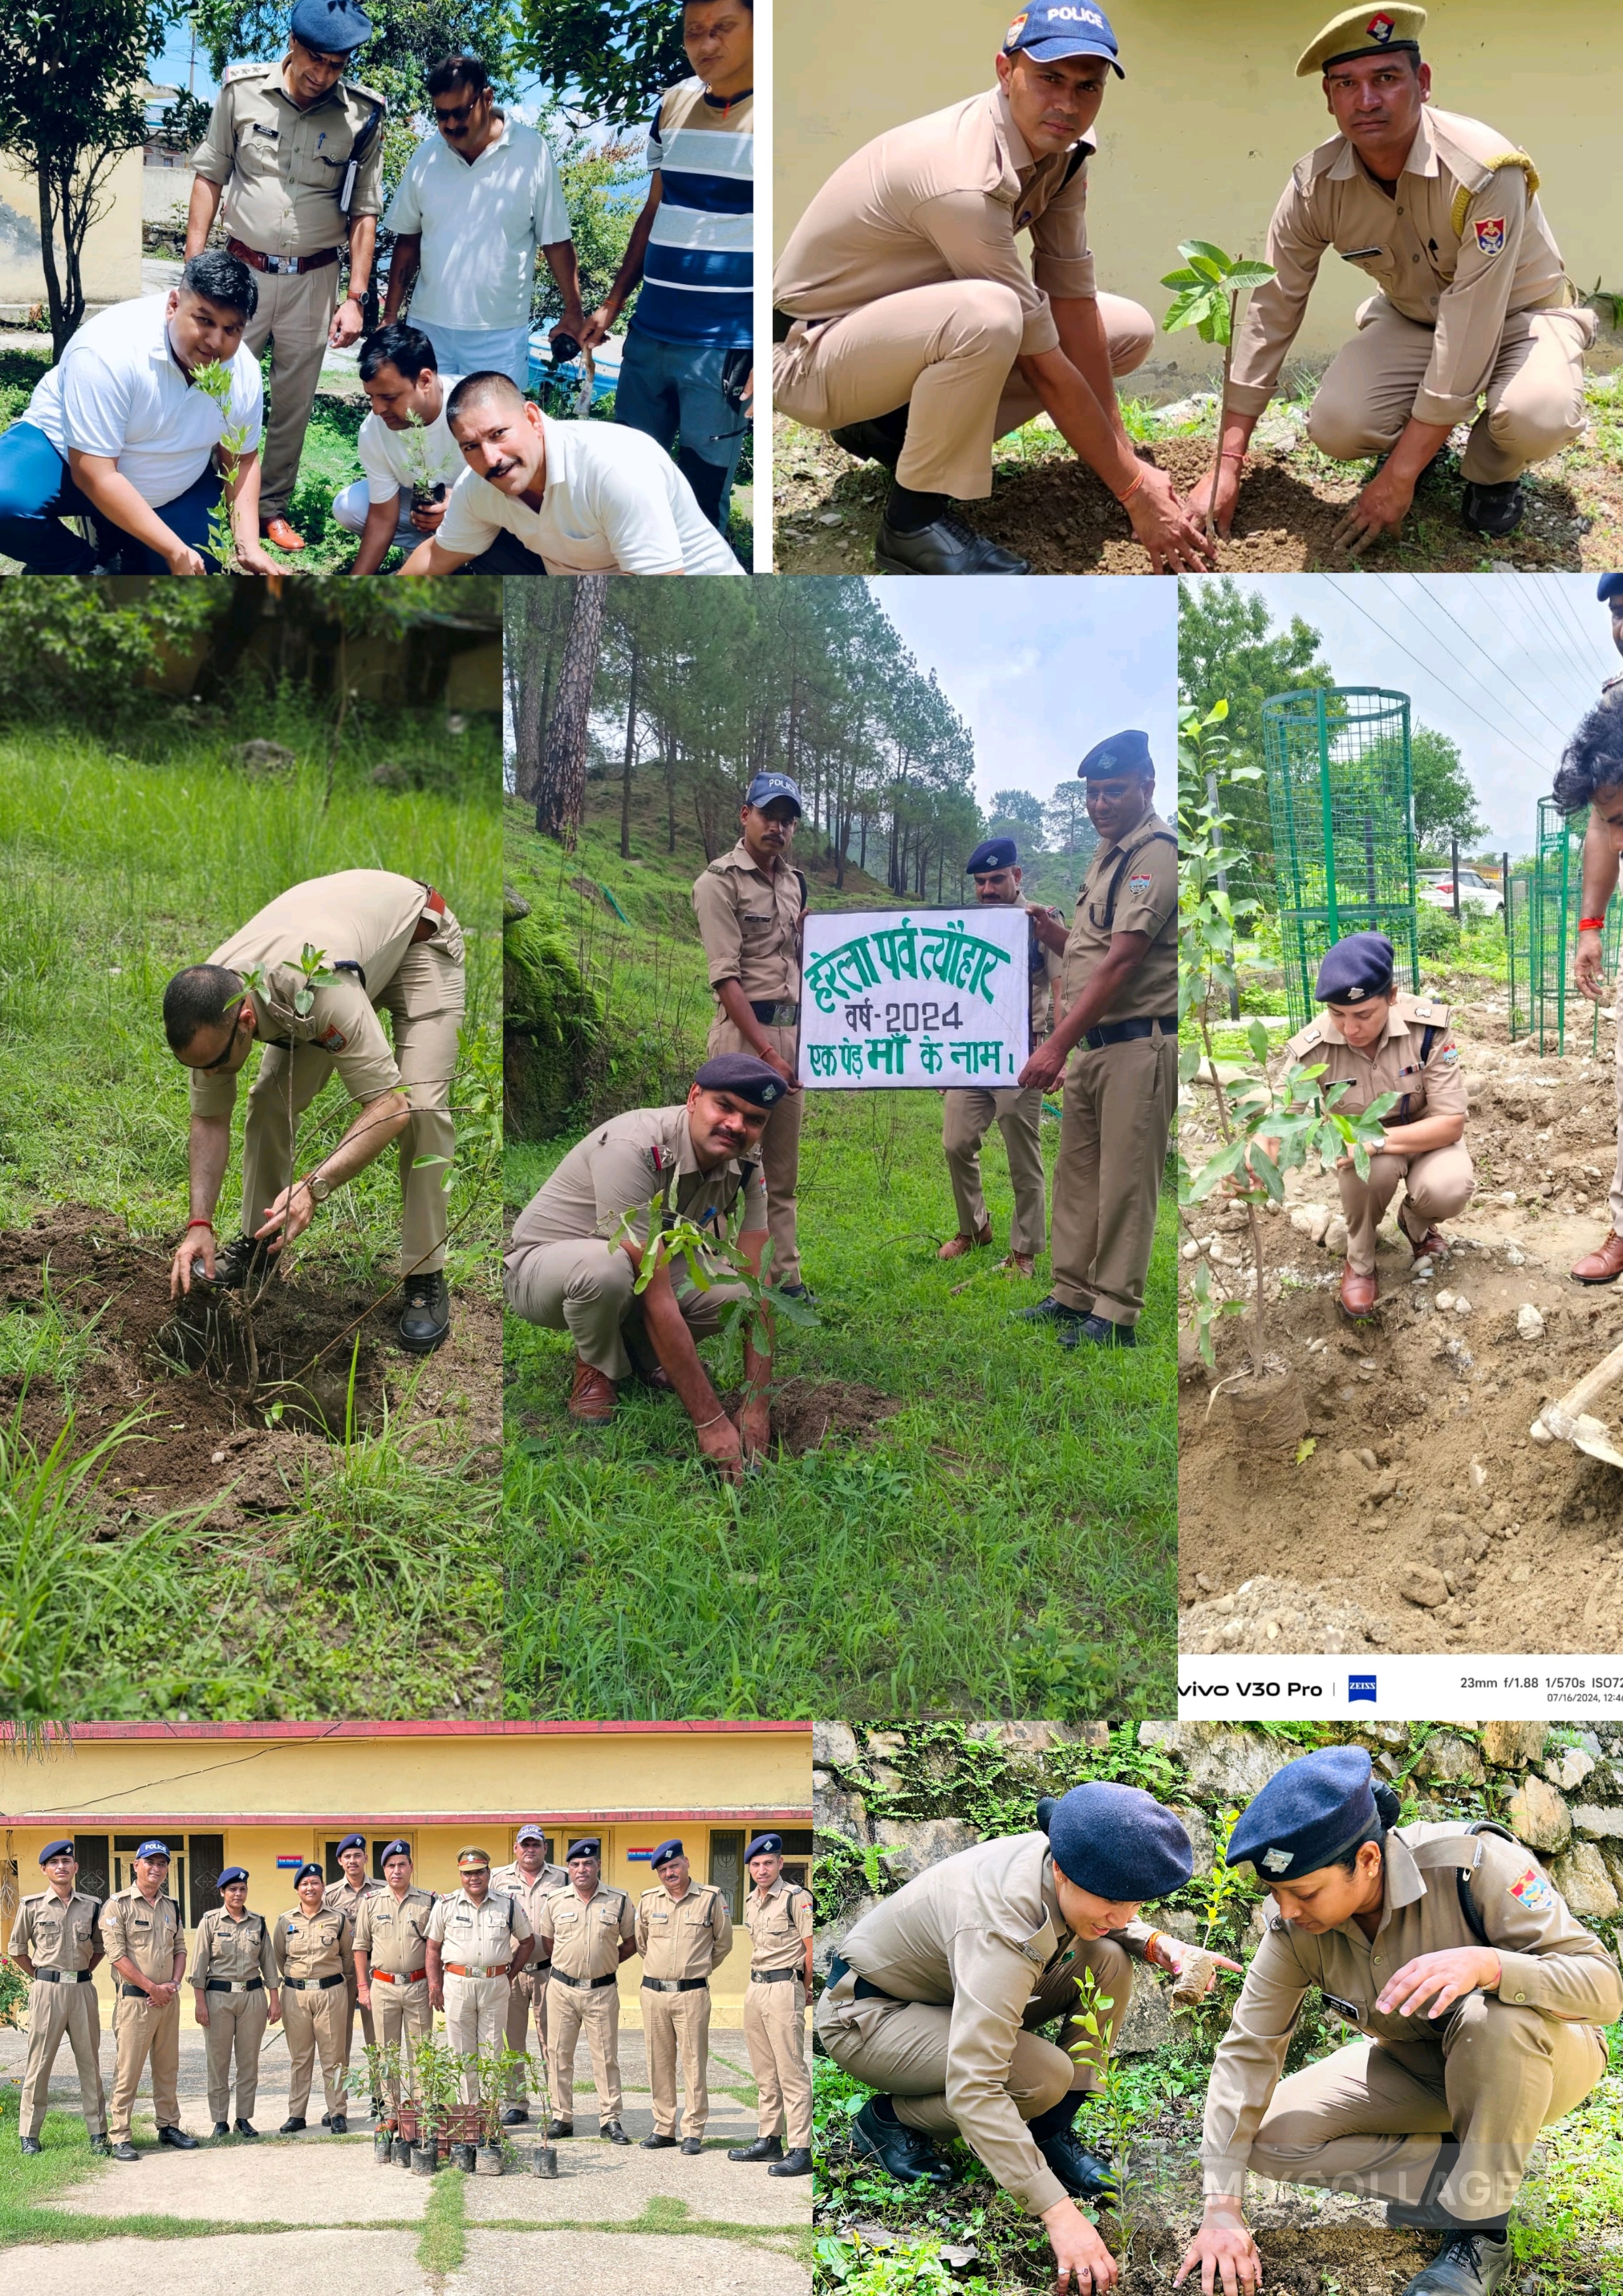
pixel 1541 965
pixel 1341 801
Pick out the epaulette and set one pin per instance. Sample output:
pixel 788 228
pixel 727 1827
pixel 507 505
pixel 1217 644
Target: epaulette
pixel 1305 1038
pixel 1464 197
pixel 372 94
pixel 235 73
pixel 1427 1009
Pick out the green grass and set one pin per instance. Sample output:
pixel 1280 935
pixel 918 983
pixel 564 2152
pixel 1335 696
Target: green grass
pixel 445 2227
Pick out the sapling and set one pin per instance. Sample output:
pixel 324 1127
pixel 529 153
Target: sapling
pixel 427 489
pixel 214 380
pixel 673 1238
pixel 1113 2099
pixel 1209 290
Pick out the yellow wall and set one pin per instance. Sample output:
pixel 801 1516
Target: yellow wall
pixel 1199 138
pixel 113 246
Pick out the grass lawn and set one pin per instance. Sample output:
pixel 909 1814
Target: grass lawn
pixel 1000 1542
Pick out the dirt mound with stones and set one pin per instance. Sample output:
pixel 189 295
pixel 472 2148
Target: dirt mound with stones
pixel 1412 1506
pixel 1342 2259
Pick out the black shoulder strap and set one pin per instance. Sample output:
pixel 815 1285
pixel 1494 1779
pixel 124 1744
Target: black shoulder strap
pixel 1461 1878
pixel 1156 837
pixel 357 152
pixel 1079 158
pixel 804 895
pixel 1428 1037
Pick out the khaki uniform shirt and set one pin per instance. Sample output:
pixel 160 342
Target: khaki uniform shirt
pixel 683 1937
pixel 481 1936
pixel 315 1945
pixel 1550 1962
pixel 1044 982
pixel 749 923
pixel 350 1900
pixel 284 169
pixel 56 1933
pixel 585 1937
pixel 1457 244
pixel 621 1167
pixel 778 1925
pixel 363 917
pixel 231 1951
pixel 389 1931
pixel 940 199
pixel 981 1933
pixel 148 1935
pixel 1146 902
pixel 1393 1063
pixel 529 1894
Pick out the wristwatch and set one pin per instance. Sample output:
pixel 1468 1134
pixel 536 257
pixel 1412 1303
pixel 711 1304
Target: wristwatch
pixel 320 1187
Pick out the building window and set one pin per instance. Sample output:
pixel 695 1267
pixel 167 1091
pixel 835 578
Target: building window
pixel 95 1866
pixel 727 1870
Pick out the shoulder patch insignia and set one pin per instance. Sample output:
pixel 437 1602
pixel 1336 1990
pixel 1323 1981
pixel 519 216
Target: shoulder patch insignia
pixel 1450 1054
pixel 1533 1891
pixel 1490 235
pixel 1138 885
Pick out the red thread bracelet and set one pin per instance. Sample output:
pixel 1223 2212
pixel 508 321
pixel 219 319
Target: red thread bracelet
pixel 199 1223
pixel 1125 499
pixel 1592 924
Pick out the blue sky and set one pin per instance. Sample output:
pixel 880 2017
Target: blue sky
pixel 1044 667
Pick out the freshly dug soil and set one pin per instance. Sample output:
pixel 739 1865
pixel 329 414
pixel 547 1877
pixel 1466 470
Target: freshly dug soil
pixel 1426 1516
pixel 1342 2259
pixel 809 1415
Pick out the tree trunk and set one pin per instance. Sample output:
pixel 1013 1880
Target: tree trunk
pixel 64 319
pixel 535 649
pixel 636 656
pixel 561 795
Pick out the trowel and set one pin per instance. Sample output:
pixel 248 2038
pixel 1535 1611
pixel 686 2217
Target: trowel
pixel 1571 1420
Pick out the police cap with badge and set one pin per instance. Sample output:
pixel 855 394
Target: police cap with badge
pixel 663 1855
pixel 1311 1813
pixel 62 1849
pixel 1117 1841
pixel 992 853
pixel 1364 32
pixel 765 1845
pixel 1357 969
pixel 1127 752
pixel 741 1074
pixel 330 28
pixel 1054 28
pixel 223 1881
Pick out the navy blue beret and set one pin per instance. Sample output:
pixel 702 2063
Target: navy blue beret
pixel 352 1841
pixel 63 1848
pixel 665 1850
pixel 309 1866
pixel 1123 753
pixel 765 1845
pixel 1609 586
pixel 1362 965
pixel 231 1874
pixel 153 1850
pixel 743 1074
pixel 588 1846
pixel 1119 1842
pixel 396 1850
pixel 993 853
pixel 332 28
pixel 765 787
pixel 1309 1814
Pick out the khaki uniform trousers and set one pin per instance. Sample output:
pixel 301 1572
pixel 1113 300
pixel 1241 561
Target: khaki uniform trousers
pixel 528 1994
pixel 56 2013
pixel 401 2015
pixel 1534 394
pixel 476 2017
pixel 947 353
pixel 1367 2119
pixel 425 1053
pixel 966 1118
pixel 569 2012
pixel 584 1289
pixel 1107 1177
pixel 1436 1186
pixel 774 2034
pixel 352 2005
pixel 678 2024
pixel 780 1146
pixel 235 2028
pixel 141 2033
pixel 314 2022
pixel 294 315
pixel 901 2047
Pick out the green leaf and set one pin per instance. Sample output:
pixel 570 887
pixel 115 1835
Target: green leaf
pixel 1190 248
pixel 1257 1037
pixel 1305 1448
pixel 1245 275
pixel 1181 279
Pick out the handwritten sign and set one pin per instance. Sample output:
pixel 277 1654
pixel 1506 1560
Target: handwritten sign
pixel 914 998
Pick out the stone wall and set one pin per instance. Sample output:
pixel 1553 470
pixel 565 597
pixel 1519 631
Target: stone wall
pixel 888 1803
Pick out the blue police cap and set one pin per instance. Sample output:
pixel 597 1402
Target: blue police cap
pixel 395 1850
pixel 1309 1814
pixel 1063 27
pixel 153 1850
pixel 665 1850
pixel 332 28
pixel 1123 753
pixel 588 1845
pixel 765 1845
pixel 309 1866
pixel 1358 967
pixel 62 1849
pixel 765 787
pixel 530 1833
pixel 1118 1842
pixel 352 1841
pixel 1609 586
pixel 992 853
pixel 231 1874
pixel 743 1074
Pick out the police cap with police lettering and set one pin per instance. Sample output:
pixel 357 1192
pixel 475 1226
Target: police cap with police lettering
pixel 1063 27
pixel 765 787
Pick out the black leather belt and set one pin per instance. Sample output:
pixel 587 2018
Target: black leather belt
pixel 66 1976
pixel 674 1984
pixel 242 1984
pixel 773 1976
pixel 1127 1032
pixel 581 1984
pixel 139 1992
pixel 776 1011
pixel 838 1966
pixel 782 322
pixel 311 1984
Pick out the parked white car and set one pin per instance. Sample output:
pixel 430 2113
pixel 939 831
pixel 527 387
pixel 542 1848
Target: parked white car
pixel 1435 887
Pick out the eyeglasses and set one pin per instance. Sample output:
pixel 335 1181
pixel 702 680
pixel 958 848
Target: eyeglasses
pixel 456 115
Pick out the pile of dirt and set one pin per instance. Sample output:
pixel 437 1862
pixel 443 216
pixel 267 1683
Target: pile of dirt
pixel 814 1414
pixel 1340 2260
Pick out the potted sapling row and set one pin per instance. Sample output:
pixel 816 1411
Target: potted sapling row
pixel 1210 286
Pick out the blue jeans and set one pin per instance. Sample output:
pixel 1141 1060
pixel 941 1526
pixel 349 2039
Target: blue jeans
pixel 37 492
pixel 480 350
pixel 674 390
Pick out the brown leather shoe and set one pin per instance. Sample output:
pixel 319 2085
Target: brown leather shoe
pixel 1602 1266
pixel 1358 1294
pixel 956 1246
pixel 278 531
pixel 658 1379
pixel 1018 1263
pixel 1433 1244
pixel 592 1397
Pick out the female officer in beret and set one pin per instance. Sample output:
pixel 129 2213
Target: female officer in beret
pixel 1478 1996
pixel 935 1997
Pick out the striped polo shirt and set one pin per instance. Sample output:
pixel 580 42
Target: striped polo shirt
pixel 698 270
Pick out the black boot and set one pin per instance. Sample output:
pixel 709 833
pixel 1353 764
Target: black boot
pixel 515 2114
pixel 243 1257
pixel 796 2162
pixel 1493 511
pixel 657 2144
pixel 1098 1331
pixel 221 2128
pixel 124 2151
pixel 905 2153
pixel 693 2144
pixel 339 2124
pixel 612 2131
pixel 945 546
pixel 246 2128
pixel 560 2129
pixel 1084 2177
pixel 178 2138
pixel 1467 2264
pixel 1049 1311
pixel 426 1317
pixel 99 2148
pixel 30 2144
pixel 290 2126
pixel 765 2148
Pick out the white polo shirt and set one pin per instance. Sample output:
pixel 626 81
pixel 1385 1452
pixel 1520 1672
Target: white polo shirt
pixel 614 503
pixel 480 225
pixel 384 453
pixel 119 391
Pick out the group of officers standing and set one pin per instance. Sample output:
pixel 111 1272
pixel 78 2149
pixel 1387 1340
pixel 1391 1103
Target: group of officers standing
pixel 530 1944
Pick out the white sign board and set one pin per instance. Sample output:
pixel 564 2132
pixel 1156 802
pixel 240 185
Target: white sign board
pixel 916 997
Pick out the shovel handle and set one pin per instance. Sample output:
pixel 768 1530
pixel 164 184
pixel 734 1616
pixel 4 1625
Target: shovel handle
pixel 1575 1403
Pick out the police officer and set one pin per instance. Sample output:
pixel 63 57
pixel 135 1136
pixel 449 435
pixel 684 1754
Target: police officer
pixel 233 1981
pixel 477 1939
pixel 1473 300
pixel 527 1881
pixel 577 1247
pixel 778 1917
pixel 936 1996
pixel 1478 1997
pixel 968 1115
pixel 751 906
pixel 590 1930
pixel 298 153
pixel 1118 1031
pixel 145 1940
pixel 391 1980
pixel 1592 774
pixel 1377 1039
pixel 313 1944
pixel 55 1944
pixel 684 1933
pixel 350 1895
pixel 388 944
pixel 910 329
